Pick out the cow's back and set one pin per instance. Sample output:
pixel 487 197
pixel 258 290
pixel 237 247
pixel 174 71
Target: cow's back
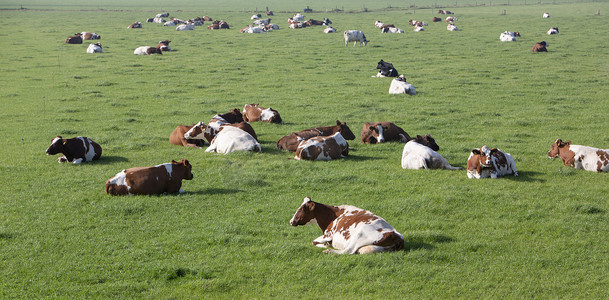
pixel 231 139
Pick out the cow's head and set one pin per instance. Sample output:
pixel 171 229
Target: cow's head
pixel 485 155
pixel 305 214
pixel 557 147
pixel 56 146
pixel 401 78
pixel 345 131
pixel 196 132
pixel 384 65
pixel 516 33
pixel 327 21
pixel 428 141
pixel 187 168
pixel 377 133
pixel 271 115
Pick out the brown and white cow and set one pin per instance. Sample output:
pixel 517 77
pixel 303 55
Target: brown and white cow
pixel 233 116
pixel 254 113
pixel 90 35
pixel 348 229
pixel 178 136
pixel 164 45
pixel 77 39
pixel 380 132
pixel 209 131
pixel 147 50
pixel 164 178
pixel 135 25
pixel 580 157
pixel 486 162
pixel 291 141
pixel 322 148
pixel 75 150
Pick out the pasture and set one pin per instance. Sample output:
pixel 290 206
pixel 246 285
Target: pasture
pixel 540 235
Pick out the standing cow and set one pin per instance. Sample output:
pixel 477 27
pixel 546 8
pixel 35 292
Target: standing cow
pixel 348 229
pixel 355 36
pixel 75 150
pixel 486 162
pixel 580 157
pixel 164 178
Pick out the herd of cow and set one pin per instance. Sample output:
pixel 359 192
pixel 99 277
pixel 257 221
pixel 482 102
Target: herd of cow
pixel 346 229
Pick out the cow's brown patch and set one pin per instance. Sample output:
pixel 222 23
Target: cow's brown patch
pixel 603 160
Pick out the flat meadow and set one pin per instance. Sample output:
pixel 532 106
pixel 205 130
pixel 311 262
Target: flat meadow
pixel 540 235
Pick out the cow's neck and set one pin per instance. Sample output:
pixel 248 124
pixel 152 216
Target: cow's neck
pixel 567 156
pixel 325 214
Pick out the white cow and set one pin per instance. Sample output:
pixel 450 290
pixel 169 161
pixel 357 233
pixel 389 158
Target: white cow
pixel 255 17
pixel 418 28
pixel 391 30
pixel 185 27
pixel 170 23
pixel 298 17
pixel 508 36
pixel 379 24
pixel 493 163
pixel 546 15
pixel 329 29
pixel 452 27
pixel 95 48
pixel 355 36
pixel 553 30
pixel 252 29
pixel 231 139
pixel 400 86
pixel 262 22
pixel 416 156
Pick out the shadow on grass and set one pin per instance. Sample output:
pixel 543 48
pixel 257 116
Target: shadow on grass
pixel 109 159
pixel 360 157
pixel 213 191
pixel 528 176
pixel 423 242
pixel 6 236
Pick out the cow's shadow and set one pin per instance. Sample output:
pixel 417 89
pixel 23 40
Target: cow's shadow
pixel 214 191
pixel 110 159
pixel 422 242
pixel 529 176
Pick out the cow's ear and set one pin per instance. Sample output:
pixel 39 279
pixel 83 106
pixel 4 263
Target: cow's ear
pixel 173 161
pixel 419 137
pixel 558 142
pixel 337 122
pixel 185 162
pixel 59 137
pixel 568 143
pixel 476 151
pixel 494 150
pixel 372 128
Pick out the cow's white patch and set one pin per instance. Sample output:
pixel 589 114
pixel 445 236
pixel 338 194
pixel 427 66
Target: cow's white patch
pixel 89 150
pixel 120 179
pixel 168 168
pixel 266 114
pixel 380 138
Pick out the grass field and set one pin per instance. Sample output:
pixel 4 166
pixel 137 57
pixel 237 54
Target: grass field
pixel 540 235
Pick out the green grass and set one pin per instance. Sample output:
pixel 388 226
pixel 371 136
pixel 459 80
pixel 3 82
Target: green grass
pixel 540 235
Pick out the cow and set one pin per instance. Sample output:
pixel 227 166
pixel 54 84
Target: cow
pixel 386 69
pixel 418 28
pixel 254 113
pixel 450 20
pixel 164 45
pixel 290 142
pixel 322 148
pixel 546 15
pixel 509 36
pixel 269 13
pixel 553 30
pixel 436 19
pixel 256 17
pixel 263 21
pixel 315 22
pixel 580 157
pixel 417 156
pixel 209 131
pixel 231 138
pixel 415 22
pixel 162 15
pixel 135 25
pixel 348 229
pixel 297 25
pixel 163 178
pixel 207 18
pixel 355 36
pixel 147 50
pixel 90 35
pixel 378 24
pixel 183 27
pixel 298 17
pixel 326 22
pixel 95 48
pixel 158 20
pixel 77 39
pixel 219 25
pixel 391 30
pixel 171 23
pixel 380 132
pixel 540 47
pixel 486 162
pixel 445 12
pixel 75 150
pixel 233 116
pixel 400 86
pixel 329 29
pixel 178 136
pixel 452 27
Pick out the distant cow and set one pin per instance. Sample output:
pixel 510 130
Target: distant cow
pixel 209 131
pixel 380 132
pixel 164 45
pixel 580 157
pixel 416 156
pixel 135 25
pixel 415 23
pixel 486 162
pixel 269 13
pixel 290 142
pixel 90 35
pixel 445 12
pixel 436 19
pixel 315 22
pixel 231 139
pixel 254 113
pixel 355 36
pixel 219 25
pixel 158 20
pixel 450 20
pixel 322 148
pixel 164 178
pixel 298 17
pixel 147 50
pixel 183 27
pixel 178 136
pixel 329 29
pixel 386 69
pixel 348 229
pixel 77 39
pixel 452 27
pixel 95 48
pixel 546 15
pixel 256 16
pixel 233 116
pixel 162 15
pixel 553 30
pixel 509 36
pixel 400 86
pixel 262 21
pixel 391 30
pixel 251 29
pixel 75 150
pixel 418 28
pixel 326 22
pixel 540 47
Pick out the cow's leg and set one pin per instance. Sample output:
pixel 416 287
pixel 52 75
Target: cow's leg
pixel 62 159
pixel 372 249
pixel 77 161
pixel 322 241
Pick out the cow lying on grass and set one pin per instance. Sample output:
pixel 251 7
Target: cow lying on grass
pixel 164 178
